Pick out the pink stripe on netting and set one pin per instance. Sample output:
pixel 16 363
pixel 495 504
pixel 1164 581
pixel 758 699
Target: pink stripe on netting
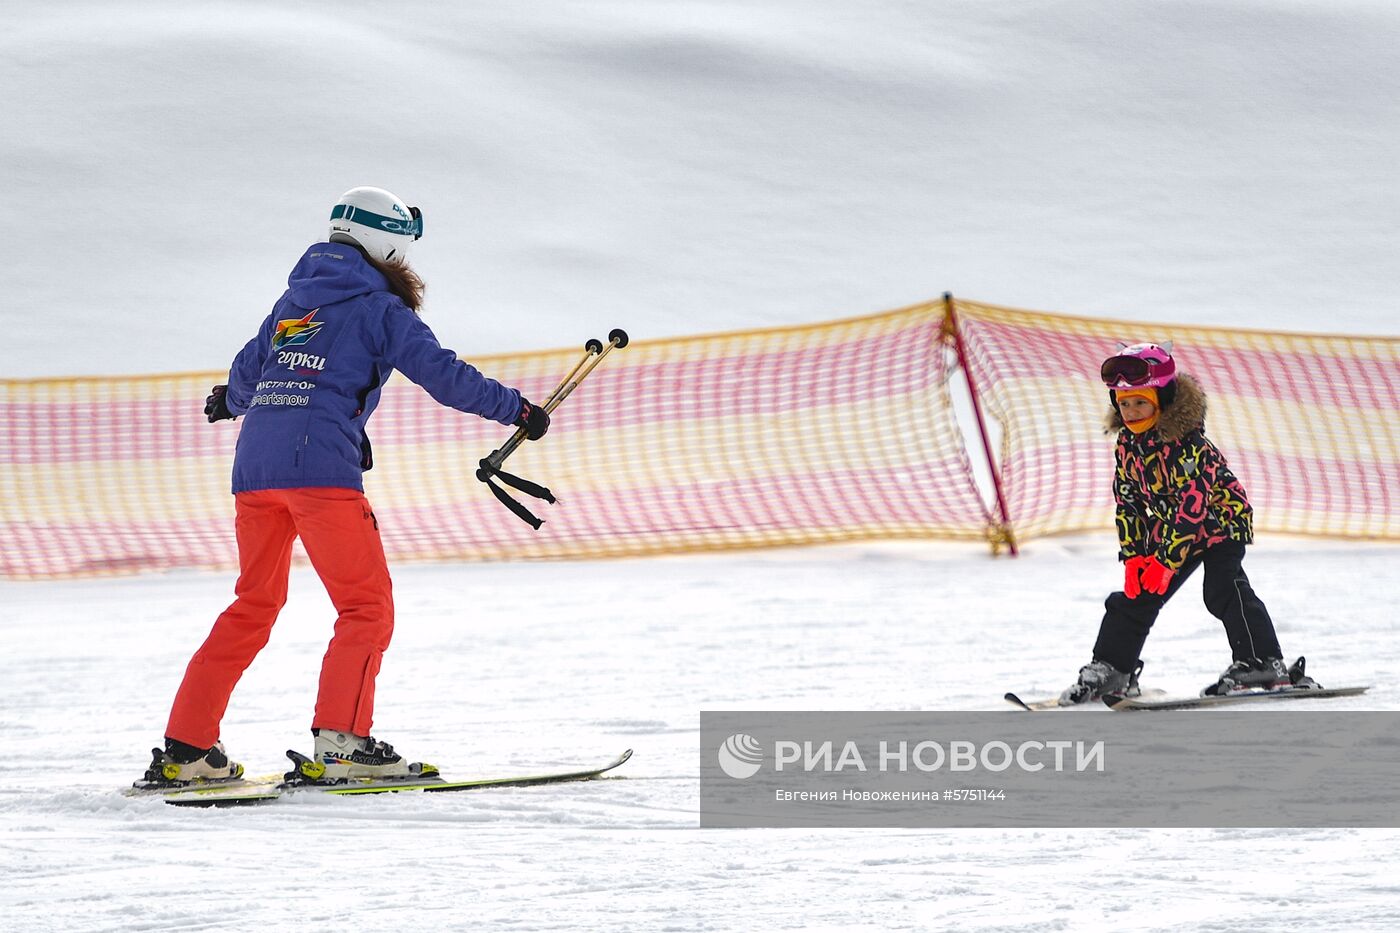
pixel 1299 377
pixel 734 510
pixel 103 430
pixel 758 385
pixel 818 503
pixel 1001 351
pixel 1329 486
pixel 1296 376
pixel 1053 470
pixel 1047 480
pixel 863 369
pixel 1044 479
pixel 779 437
pixel 94 547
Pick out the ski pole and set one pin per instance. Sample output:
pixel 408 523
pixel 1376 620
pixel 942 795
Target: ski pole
pixel 595 353
pixel 591 348
pixel 489 467
pixel 616 338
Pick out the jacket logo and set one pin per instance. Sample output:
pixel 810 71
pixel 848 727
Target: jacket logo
pixel 305 363
pixel 293 332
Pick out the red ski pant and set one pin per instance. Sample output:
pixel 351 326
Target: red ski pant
pixel 341 536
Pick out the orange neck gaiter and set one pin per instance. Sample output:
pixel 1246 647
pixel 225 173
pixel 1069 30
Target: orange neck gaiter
pixel 1137 427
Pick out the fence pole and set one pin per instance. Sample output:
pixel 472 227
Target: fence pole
pixel 999 534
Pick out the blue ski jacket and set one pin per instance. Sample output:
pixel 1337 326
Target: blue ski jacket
pixel 309 381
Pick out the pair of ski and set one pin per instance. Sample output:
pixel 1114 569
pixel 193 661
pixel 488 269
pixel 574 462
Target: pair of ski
pixel 1302 687
pixel 1161 699
pixel 240 792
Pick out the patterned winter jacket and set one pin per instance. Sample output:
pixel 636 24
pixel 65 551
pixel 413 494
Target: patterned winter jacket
pixel 1175 493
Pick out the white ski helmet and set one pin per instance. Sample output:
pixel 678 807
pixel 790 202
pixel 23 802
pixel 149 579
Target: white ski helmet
pixel 377 222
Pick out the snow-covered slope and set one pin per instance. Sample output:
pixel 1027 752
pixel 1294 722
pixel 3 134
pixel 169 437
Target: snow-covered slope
pixel 690 166
pixel 515 667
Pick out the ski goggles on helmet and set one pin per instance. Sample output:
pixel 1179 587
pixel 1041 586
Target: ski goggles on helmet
pixel 1144 365
pixel 1125 371
pixel 413 227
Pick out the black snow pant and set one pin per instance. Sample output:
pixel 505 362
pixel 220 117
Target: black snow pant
pixel 1227 594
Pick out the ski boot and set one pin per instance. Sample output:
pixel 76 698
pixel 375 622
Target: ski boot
pixel 181 765
pixel 1099 679
pixel 339 757
pixel 1249 675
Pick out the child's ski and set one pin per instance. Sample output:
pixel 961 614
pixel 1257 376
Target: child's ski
pixel 1053 703
pixel 1125 704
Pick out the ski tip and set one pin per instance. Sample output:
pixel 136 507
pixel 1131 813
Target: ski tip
pixel 1014 700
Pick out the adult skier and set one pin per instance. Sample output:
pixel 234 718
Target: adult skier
pixel 1178 508
pixel 306 385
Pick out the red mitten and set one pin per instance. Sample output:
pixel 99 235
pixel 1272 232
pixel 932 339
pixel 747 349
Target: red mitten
pixel 1156 576
pixel 1132 570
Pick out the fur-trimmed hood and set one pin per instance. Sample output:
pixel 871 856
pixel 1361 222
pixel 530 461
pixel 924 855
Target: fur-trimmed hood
pixel 1186 412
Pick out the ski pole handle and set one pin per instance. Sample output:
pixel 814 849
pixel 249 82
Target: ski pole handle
pixel 592 346
pixel 617 338
pixel 593 355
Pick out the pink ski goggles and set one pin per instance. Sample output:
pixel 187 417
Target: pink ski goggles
pixel 1123 372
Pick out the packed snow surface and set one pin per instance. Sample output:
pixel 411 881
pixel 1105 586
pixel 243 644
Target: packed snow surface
pixel 516 668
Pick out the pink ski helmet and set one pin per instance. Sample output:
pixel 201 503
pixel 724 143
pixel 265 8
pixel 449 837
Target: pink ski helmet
pixel 1143 365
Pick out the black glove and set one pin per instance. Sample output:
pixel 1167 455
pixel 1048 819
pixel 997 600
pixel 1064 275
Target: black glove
pixel 216 405
pixel 534 419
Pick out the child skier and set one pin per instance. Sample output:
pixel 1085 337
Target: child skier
pixel 1178 508
pixel 307 384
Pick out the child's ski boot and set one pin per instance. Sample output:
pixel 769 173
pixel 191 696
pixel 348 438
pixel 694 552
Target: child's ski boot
pixel 1251 674
pixel 1099 679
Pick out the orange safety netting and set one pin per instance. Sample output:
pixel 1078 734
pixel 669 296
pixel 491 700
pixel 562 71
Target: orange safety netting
pixel 1307 422
pixel 802 435
pixel 799 435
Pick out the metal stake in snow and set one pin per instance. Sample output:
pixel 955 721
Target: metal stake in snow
pixel 490 467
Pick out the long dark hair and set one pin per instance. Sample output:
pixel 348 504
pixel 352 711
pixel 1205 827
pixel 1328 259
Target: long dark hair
pixel 403 281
